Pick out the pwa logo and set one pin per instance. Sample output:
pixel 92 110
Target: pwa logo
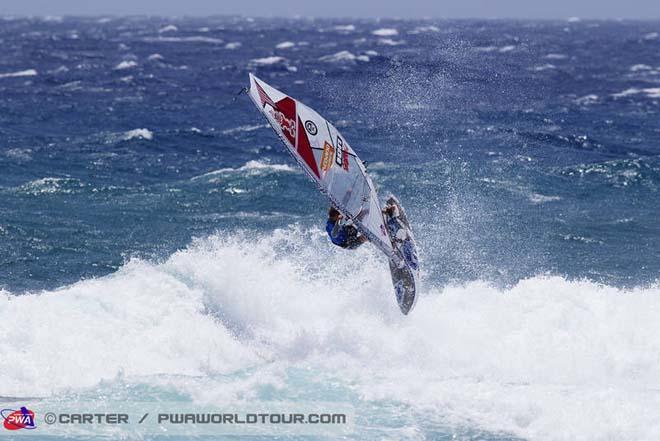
pixel 18 419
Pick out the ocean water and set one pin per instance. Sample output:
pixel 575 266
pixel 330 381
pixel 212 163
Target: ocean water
pixel 158 243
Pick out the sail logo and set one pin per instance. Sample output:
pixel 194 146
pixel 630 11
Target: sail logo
pixel 287 124
pixel 311 127
pixel 326 158
pixel 18 419
pixel 341 158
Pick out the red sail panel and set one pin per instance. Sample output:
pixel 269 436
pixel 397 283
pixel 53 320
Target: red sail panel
pixel 286 116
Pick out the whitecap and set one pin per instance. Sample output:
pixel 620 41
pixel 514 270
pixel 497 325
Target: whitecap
pixel 235 190
pixel 627 92
pixel 587 99
pixel 138 133
pixel 344 28
pixel 424 29
pixel 390 42
pixel 19 154
pixel 251 167
pixel 538 198
pixel 343 57
pixel 155 57
pixel 652 92
pixel 385 32
pixel 168 28
pixel 505 49
pixel 266 61
pixel 544 67
pixel 192 39
pixel 126 64
pixel 233 45
pixel 285 45
pixel 59 70
pixel 50 185
pixel 21 73
pixel 638 67
pixel 556 57
pixel 485 48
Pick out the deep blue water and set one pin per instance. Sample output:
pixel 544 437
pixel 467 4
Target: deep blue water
pixel 483 128
pixel 521 150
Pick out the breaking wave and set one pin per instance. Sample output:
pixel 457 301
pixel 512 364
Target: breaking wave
pixel 235 312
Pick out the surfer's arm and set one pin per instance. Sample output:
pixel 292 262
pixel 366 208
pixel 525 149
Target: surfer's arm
pixel 337 230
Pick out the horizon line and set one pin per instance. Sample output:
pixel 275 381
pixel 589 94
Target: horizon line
pixel 567 19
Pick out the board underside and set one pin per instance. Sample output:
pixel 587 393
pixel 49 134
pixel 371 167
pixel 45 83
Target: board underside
pixel 404 276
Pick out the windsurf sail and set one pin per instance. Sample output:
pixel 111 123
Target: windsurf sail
pixel 327 159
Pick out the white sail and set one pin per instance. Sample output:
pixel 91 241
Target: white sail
pixel 327 158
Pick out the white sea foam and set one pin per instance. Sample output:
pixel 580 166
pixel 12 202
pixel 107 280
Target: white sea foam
pixel 587 99
pixel 638 67
pixel 501 49
pixel 538 198
pixel 344 28
pixel 546 359
pixel 485 48
pixel 20 154
pixel 651 92
pixel 385 32
pixel 138 133
pixel 425 29
pixel 249 168
pixel 235 190
pixel 267 61
pixel 126 64
pixel 651 36
pixel 168 28
pixel 59 70
pixel 191 39
pixel 285 45
pixel 544 67
pixel 233 45
pixel 261 165
pixel 155 57
pixel 49 185
pixel 390 42
pixel 627 92
pixel 556 57
pixel 343 57
pixel 21 73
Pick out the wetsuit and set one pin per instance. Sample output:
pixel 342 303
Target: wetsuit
pixel 345 236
